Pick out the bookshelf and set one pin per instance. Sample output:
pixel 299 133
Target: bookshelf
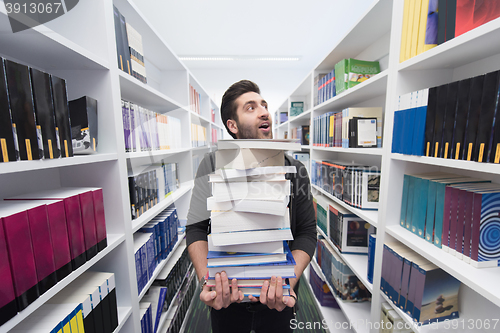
pixel 377 36
pixel 86 59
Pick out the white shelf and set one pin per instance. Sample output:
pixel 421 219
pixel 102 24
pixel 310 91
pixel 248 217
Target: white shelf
pixel 156 209
pixel 374 87
pixel 478 279
pixel 113 241
pixel 370 216
pixel 473 45
pixel 449 163
pixel 203 120
pixel 171 256
pixel 358 263
pixel 363 151
pixel 356 313
pixel 21 166
pixel 123 314
pixel 301 117
pixel 44 48
pixel 135 91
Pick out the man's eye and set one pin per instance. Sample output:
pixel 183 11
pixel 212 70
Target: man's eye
pixel 250 108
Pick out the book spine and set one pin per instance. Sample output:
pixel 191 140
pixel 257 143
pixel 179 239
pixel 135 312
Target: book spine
pixel 89 224
pixel 75 231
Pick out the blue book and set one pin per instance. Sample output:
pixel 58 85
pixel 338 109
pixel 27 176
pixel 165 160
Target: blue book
pixel 409 208
pixel 261 271
pixel 371 257
pixel 419 131
pixel 159 310
pixel 409 131
pixel 222 259
pixel 404 201
pixel 397 131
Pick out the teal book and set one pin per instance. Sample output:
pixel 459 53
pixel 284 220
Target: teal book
pixel 409 209
pixel 404 201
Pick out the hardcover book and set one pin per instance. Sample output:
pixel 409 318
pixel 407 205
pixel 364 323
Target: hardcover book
pixel 230 221
pixel 463 96
pixel 9 145
pixel 44 110
pixel 476 93
pixel 23 112
pixel 83 114
pixel 63 125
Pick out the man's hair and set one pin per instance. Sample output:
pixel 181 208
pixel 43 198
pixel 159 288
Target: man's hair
pixel 228 107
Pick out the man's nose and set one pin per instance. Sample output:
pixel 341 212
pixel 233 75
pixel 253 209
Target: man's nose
pixel 264 112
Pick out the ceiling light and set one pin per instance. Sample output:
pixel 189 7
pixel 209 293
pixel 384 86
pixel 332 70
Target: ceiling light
pixel 237 58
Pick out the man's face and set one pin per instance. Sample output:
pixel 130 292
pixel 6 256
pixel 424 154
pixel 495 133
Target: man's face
pixel 254 120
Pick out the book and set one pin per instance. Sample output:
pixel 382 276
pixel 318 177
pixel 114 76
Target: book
pixel 472 14
pixel 489 107
pixel 350 113
pixel 247 237
pixel 8 307
pixel 476 93
pixel 242 190
pixel 23 112
pixel 449 120
pixel 262 271
pixel 230 174
pixel 416 28
pixel 464 87
pixel 230 221
pixel 261 247
pixel 21 256
pixel 118 39
pixel 409 29
pixel 156 296
pixel 362 132
pixel 274 207
pixel 246 158
pixel 427 33
pixel 439 121
pixel 44 111
pixel 451 11
pixel 404 35
pixel 9 145
pixel 430 121
pixel 137 63
pixel 63 126
pixel 83 115
pixel 359 71
pixel 441 35
pixel 125 61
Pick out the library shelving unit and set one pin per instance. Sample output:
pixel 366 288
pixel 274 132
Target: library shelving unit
pixel 86 59
pixel 377 36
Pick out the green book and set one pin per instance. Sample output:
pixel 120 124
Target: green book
pixel 359 71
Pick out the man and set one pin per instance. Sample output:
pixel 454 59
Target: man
pixel 245 115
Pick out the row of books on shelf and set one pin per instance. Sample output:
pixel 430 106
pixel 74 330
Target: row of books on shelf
pixel 356 185
pixel 350 128
pixel 296 108
pixel 45 236
pixel 321 290
pixel 348 232
pixel 146 130
pixel 153 243
pixel 161 296
pixel 346 74
pixel 129 50
pixel 88 304
pixel 455 213
pixel 151 185
pixel 347 286
pixel 456 120
pixel 428 23
pixel 194 99
pixel 183 303
pixel 198 136
pixel 419 288
pixel 301 133
pixel 36 119
pixel 215 136
pixel 283 117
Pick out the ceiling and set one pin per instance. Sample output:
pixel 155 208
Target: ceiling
pixel 293 28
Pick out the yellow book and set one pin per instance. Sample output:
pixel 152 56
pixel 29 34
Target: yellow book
pixel 409 31
pixel 406 11
pixel 415 29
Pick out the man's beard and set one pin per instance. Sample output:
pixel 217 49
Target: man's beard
pixel 252 132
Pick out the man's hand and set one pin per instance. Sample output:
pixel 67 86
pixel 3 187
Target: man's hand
pixel 222 296
pixel 271 294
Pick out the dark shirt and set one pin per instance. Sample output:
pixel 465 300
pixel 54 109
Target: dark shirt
pixel 302 216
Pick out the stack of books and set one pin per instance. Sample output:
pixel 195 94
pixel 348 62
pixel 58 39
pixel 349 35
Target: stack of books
pixel 250 218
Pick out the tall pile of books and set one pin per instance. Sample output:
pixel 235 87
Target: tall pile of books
pixel 250 219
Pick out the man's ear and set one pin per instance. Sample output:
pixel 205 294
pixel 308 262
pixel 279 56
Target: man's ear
pixel 233 127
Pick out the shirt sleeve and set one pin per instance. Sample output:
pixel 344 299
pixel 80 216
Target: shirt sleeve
pixel 198 217
pixel 305 229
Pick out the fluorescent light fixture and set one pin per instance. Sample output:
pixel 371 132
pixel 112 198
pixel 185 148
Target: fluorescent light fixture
pixel 237 58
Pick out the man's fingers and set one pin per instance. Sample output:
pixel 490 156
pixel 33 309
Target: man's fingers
pixel 253 299
pixel 271 293
pixel 263 292
pixel 235 295
pixel 207 296
pixel 226 293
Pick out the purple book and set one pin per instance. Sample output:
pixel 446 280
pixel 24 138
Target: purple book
pixel 100 219
pixel 60 237
pixel 8 308
pixel 21 256
pixel 126 125
pixel 132 122
pixel 405 280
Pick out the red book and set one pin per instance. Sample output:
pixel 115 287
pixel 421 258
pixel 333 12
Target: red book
pixel 8 307
pixel 74 222
pixel 100 219
pixel 473 13
pixel 21 256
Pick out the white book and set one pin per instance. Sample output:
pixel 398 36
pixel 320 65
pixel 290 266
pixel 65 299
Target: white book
pixel 264 247
pixel 259 144
pixel 243 159
pixel 248 237
pixel 253 190
pixel 230 221
pixel 273 207
pixel 235 173
pixel 220 259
